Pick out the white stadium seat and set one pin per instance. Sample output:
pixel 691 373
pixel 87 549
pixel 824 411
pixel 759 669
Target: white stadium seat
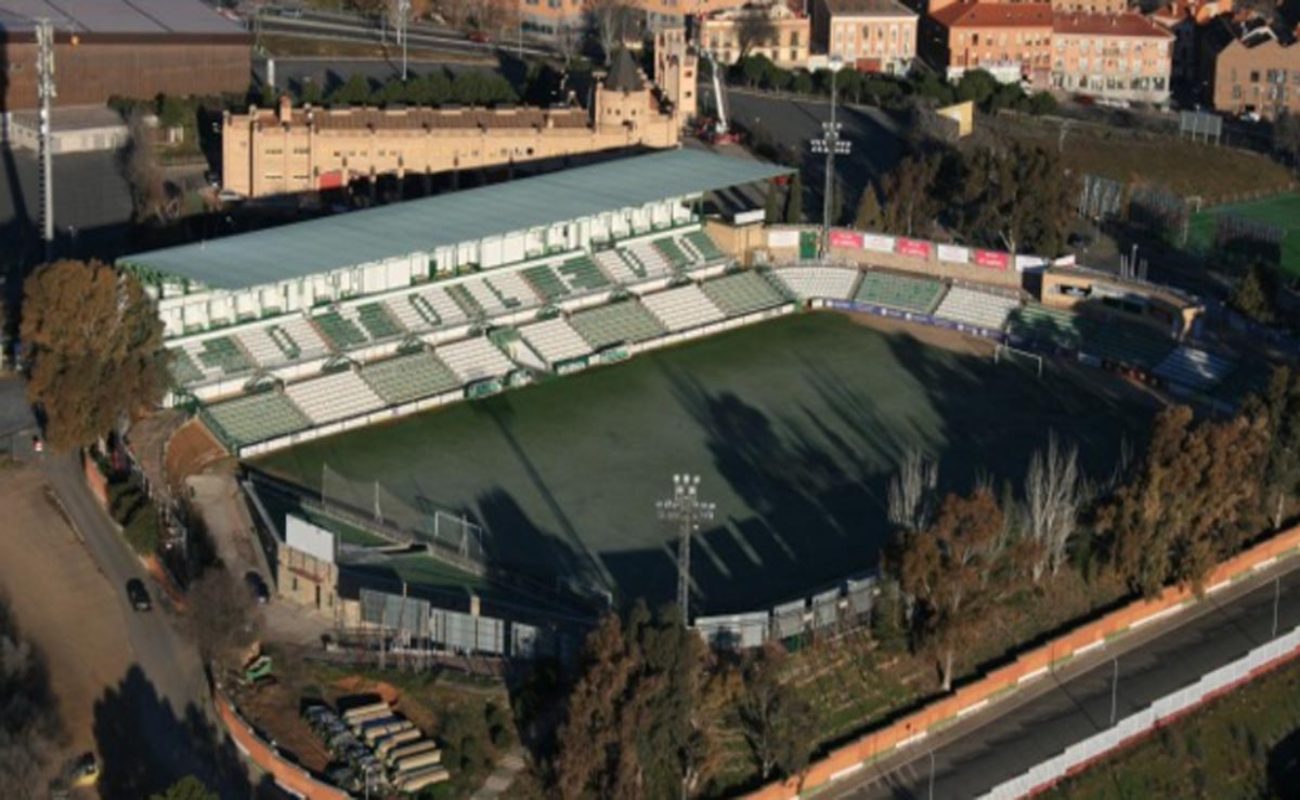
pixel 825 283
pixel 333 397
pixel 973 307
pixel 474 359
pixel 683 308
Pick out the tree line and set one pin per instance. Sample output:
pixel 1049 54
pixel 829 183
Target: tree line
pixel 890 92
pixel 436 87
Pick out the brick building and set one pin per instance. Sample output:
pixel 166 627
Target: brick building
pixel 1113 56
pixel 1258 73
pixel 873 35
pixel 770 30
pixel 135 49
pixel 284 150
pixel 1012 41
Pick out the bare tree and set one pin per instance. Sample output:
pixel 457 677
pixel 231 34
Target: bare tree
pixel 568 40
pixel 223 618
pixel 912 492
pixel 500 18
pixel 1054 494
pixel 455 12
pixel 755 29
pixel 30 728
pixel 612 19
pixel 143 173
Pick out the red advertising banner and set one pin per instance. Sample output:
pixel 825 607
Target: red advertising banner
pixel 846 239
pixel 912 247
pixel 992 259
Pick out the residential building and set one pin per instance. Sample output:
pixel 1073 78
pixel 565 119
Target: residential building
pixel 871 35
pixel 1076 6
pixel 1012 41
pixel 770 30
pixel 554 19
pixel 276 151
pixel 1258 73
pixel 1189 21
pixel 1112 56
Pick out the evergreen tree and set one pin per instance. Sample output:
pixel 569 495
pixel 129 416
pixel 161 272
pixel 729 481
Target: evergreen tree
pixel 870 216
pixel 1254 295
pixel 794 203
pixel 355 91
pixel 772 205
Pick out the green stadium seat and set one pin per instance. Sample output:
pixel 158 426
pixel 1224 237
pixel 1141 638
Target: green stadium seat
pixel 222 353
pixel 377 322
pixel 674 253
pixel 742 293
pixel 546 282
pixel 582 274
pixel 1047 326
pixel 620 322
pixel 466 301
pixel 919 295
pixel 183 369
pixel 407 378
pixel 256 418
pixel 340 332
pixel 705 245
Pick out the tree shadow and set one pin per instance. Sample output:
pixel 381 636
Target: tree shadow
pixel 1284 767
pixel 145 745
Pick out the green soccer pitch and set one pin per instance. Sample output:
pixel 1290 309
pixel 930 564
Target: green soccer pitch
pixel 795 427
pixel 1282 211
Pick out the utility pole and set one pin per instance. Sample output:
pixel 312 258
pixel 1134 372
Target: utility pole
pixel 403 12
pixel 931 775
pixel 687 510
pixel 1277 599
pixel 46 92
pixel 1114 691
pixel 831 145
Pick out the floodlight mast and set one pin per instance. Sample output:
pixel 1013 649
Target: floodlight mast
pixel 832 145
pixel 46 92
pixel 688 512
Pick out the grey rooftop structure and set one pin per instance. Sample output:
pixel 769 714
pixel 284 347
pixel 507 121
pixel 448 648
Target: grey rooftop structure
pixel 119 17
pixel 362 237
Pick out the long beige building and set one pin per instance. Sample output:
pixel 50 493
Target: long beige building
pixel 286 150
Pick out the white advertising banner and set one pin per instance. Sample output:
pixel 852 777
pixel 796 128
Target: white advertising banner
pixel 308 538
pixel 783 238
pixel 878 243
pixel 954 254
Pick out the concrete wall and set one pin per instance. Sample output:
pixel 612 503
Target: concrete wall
pixel 1030 665
pixel 263 754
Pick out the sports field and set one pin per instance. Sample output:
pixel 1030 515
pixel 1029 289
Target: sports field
pixel 1282 211
pixel 795 427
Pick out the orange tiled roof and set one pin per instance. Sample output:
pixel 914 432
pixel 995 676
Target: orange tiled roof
pixel 1108 25
pixel 995 15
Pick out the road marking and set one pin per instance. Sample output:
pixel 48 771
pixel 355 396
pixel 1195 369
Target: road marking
pixel 1265 564
pixel 971 709
pixel 913 739
pixel 847 771
pixel 1159 615
pixel 1032 675
pixel 1088 648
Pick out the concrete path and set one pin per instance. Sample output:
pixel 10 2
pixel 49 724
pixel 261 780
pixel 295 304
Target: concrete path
pixel 511 764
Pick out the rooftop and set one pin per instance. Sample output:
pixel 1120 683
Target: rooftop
pixel 346 240
pixel 995 15
pixel 1129 24
pixel 388 119
pixel 870 8
pixel 156 17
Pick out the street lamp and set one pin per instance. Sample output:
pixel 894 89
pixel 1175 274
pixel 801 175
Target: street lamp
pixel 831 145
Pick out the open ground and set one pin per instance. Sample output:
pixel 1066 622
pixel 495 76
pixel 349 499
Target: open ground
pixel 795 427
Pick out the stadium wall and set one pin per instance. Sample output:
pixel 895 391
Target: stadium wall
pixel 951 262
pixel 910 316
pixel 289 776
pixel 1029 666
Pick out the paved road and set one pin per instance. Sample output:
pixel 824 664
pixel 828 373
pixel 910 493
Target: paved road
pixel 989 748
pixel 877 139
pixel 164 703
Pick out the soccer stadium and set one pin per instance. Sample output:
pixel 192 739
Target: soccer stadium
pixel 534 362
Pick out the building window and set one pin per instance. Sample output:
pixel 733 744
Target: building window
pixel 1236 92
pixel 1254 76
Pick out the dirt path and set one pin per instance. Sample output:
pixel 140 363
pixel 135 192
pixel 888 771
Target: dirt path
pixel 61 601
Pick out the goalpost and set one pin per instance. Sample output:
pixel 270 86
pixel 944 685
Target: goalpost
pixel 1014 354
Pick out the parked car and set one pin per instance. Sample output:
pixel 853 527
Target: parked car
pixel 138 595
pixel 479 37
pixel 257 587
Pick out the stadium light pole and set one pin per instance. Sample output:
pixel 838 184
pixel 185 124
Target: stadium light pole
pixel 831 145
pixel 686 510
pixel 46 92
pixel 403 12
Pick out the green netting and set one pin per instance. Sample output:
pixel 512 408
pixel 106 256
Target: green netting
pixel 377 322
pixel 339 331
pixel 256 418
pixel 407 378
pixel 742 293
pixel 896 291
pixel 547 283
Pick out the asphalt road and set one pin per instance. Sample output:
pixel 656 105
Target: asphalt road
pixel 1010 737
pixel 877 139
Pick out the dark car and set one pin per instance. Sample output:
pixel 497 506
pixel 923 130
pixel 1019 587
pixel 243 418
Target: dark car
pixel 138 595
pixel 258 587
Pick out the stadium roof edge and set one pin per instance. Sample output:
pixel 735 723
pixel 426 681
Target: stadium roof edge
pixel 329 243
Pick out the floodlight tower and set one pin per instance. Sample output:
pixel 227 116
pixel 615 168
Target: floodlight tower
pixel 686 510
pixel 46 92
pixel 403 12
pixel 831 145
